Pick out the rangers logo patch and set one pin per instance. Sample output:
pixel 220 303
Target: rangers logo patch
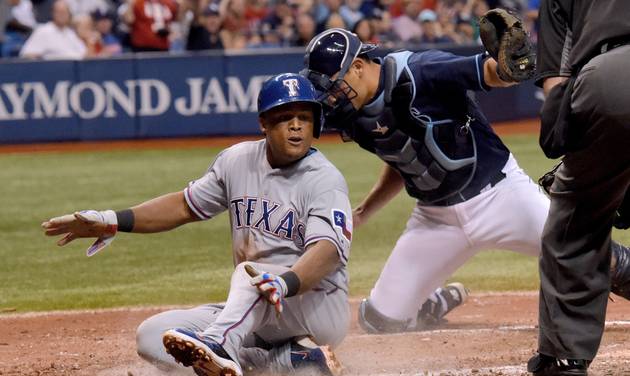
pixel 292 85
pixel 340 220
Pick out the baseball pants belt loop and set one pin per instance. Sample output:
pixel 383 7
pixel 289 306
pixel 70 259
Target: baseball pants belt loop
pixel 468 193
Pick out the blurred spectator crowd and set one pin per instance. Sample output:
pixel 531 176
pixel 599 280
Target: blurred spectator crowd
pixel 75 29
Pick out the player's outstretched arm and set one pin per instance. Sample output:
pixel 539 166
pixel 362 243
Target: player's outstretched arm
pixel 159 214
pixel 384 190
pixel 162 213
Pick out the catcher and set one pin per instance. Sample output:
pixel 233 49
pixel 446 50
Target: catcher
pixel 291 234
pixel 413 110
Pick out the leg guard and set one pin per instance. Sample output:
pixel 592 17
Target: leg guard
pixel 620 274
pixel 375 322
pixel 439 304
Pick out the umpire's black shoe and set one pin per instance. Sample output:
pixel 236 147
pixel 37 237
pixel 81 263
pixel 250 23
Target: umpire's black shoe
pixel 544 365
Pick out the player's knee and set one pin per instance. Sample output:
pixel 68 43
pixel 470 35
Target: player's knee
pixel 148 339
pixel 239 271
pixel 372 321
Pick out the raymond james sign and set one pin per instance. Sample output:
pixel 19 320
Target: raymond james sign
pixel 144 97
pixel 164 96
pixel 136 97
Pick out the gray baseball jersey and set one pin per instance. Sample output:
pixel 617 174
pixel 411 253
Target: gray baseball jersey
pixel 275 213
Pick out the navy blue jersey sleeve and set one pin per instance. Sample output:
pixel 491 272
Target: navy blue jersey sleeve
pixel 444 71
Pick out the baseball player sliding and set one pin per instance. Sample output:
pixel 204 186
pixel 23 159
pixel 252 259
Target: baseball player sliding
pixel 291 234
pixel 414 111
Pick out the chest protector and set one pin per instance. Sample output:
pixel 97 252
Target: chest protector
pixel 436 157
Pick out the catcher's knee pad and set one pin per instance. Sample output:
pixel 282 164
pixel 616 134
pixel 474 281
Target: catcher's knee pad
pixel 372 321
pixel 620 274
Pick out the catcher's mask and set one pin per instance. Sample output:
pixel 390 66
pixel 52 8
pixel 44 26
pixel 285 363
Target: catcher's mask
pixel 332 52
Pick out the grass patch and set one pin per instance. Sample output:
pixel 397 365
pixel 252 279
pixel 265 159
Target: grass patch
pixel 191 264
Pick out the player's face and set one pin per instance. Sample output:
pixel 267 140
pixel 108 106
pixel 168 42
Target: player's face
pixel 354 79
pixel 289 132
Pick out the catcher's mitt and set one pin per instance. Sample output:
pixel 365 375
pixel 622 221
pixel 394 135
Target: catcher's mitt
pixel 506 40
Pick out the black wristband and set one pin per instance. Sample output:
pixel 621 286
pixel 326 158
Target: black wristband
pixel 293 283
pixel 125 220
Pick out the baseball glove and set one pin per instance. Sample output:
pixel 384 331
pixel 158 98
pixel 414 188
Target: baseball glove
pixel 506 40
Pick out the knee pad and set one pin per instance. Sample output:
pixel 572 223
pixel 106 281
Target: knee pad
pixel 373 322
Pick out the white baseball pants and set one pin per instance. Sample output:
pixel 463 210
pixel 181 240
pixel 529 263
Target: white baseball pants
pixel 438 240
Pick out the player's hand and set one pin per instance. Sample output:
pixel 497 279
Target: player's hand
pixel 271 286
pixel 84 224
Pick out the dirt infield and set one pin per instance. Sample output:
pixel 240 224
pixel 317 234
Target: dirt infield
pixel 492 334
pixel 530 126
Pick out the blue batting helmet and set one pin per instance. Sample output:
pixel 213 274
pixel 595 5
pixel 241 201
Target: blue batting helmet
pixel 332 52
pixel 289 88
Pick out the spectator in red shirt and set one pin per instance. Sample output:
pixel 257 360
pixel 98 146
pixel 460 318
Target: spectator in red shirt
pixel 150 22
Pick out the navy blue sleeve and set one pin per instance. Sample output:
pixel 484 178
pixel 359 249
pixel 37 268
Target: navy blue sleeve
pixel 444 71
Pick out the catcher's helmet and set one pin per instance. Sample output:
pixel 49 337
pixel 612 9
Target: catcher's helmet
pixel 289 88
pixel 332 52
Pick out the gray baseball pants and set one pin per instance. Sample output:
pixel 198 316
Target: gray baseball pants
pixel 247 320
pixel 588 189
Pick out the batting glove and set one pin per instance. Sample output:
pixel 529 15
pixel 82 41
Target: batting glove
pixel 271 286
pixel 102 225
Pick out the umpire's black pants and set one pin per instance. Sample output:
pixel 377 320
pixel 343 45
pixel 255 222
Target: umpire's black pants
pixel 588 189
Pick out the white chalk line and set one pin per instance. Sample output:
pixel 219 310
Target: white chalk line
pixel 502 328
pixel 502 370
pixel 352 300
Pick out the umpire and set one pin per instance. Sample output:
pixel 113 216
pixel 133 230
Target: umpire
pixel 584 68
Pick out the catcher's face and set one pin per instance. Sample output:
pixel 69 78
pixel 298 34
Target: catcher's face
pixel 355 81
pixel 289 132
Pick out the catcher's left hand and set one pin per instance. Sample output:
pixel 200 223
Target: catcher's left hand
pixel 271 286
pixel 506 40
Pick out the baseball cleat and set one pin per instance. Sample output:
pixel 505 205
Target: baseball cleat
pixel 307 356
pixel 207 357
pixel 440 303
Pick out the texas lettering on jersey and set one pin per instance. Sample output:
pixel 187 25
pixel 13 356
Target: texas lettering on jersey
pixel 270 218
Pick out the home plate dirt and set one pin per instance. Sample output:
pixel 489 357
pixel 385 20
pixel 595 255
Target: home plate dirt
pixel 492 334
